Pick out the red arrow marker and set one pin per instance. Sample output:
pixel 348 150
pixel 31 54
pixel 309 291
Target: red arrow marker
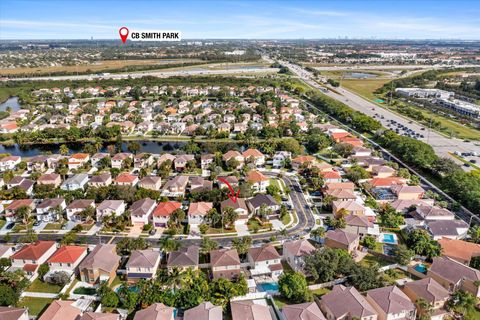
pixel 123 31
pixel 232 195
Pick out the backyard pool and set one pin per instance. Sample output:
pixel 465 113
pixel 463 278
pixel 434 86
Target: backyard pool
pixel 389 238
pixel 131 288
pixel 420 268
pixel 268 287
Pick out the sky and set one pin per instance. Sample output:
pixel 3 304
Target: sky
pixel 379 19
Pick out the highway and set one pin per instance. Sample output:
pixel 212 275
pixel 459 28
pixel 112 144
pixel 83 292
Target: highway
pixel 440 143
pixel 306 222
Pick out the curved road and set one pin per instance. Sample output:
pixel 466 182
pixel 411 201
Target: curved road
pixel 306 221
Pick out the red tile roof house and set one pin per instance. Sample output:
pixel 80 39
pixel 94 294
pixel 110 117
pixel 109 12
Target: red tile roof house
pixel 162 213
pixel 31 256
pixel 142 264
pixel 51 179
pixel 265 260
pixel 49 210
pixel 180 162
pixel 240 207
pixel 157 311
pixel 197 212
pixel 11 209
pixel 77 160
pixel 295 251
pixel 117 159
pixel 254 156
pixel 126 179
pixel 430 290
pixel 346 303
pixel 453 275
pixel 459 250
pixel 151 183
pixel 100 180
pixel 204 311
pixel 341 239
pixel 175 187
pixel 391 303
pixel 10 313
pixel 301 161
pixel 184 258
pixel 66 258
pixel 141 211
pixel 303 311
pixel 109 207
pixel 61 310
pixel 259 181
pixel 331 176
pixel 9 162
pixel 76 207
pixel 225 263
pixel 232 154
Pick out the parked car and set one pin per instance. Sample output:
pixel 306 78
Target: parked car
pixel 10 225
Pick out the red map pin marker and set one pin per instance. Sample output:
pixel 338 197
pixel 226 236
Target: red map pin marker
pixel 123 31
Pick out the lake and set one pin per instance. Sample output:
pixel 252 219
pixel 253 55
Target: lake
pixel 12 103
pixel 37 149
pixel 360 75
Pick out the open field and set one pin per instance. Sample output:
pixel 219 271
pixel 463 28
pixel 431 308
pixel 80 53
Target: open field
pixel 95 67
pixel 364 87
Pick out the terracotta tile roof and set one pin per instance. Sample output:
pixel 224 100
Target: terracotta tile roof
pixel 252 153
pixel 165 209
pixel 231 154
pixel 256 176
pixel 386 182
pixel 79 156
pixel 16 204
pixel 61 310
pixel 199 208
pixel 340 185
pixel 67 254
pixel 34 251
pixel 264 253
pixel 157 311
pixel 459 249
pixel 303 159
pixel 331 175
pixel 99 316
pixel 126 178
pixel 28 267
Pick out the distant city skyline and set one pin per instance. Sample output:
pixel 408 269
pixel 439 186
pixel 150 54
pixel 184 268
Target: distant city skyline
pixel 242 19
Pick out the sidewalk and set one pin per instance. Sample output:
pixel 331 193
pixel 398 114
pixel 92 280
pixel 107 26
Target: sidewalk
pixel 39 295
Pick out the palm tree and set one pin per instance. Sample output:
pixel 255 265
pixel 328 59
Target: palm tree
pixel 318 233
pixel 425 307
pixel 168 245
pixel 474 233
pixel 24 212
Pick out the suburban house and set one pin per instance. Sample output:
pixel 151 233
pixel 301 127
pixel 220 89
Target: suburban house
pixel 232 181
pixel 184 258
pixel 232 154
pixel 76 182
pixel 162 213
pixel 49 210
pixel 239 206
pixel 431 291
pixel 142 160
pixel 141 211
pixel 265 260
pixel 5 251
pixel 359 225
pixel 404 192
pixel 426 212
pixel 206 160
pixel 303 161
pixel 254 156
pixel 9 163
pixel 126 179
pixel 453 229
pixel 21 183
pixel 258 180
pixel 97 157
pixel 281 158
pixel 199 184
pixel 391 303
pixel 157 311
pixel 31 256
pixel 11 313
pixel 66 258
pixel 175 187
pixel 346 303
pixel 249 309
pixel 61 310
pixel 225 263
pixel 331 176
pixel 180 162
pixel 142 264
pixel 119 158
pixel 295 251
pixel 50 179
pixel 341 239
pixel 459 250
pixel 77 160
pixel 100 180
pixel 76 207
pixel 341 194
pixel 263 202
pixel 348 207
pixel 15 205
pixel 204 311
pixel 453 275
pixel 109 207
pixel 197 212
pixel 303 311
pixel 100 265
pixel 383 171
pixel 100 316
pixel 151 183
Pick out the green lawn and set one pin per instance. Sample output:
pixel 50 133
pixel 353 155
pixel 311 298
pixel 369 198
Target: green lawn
pixel 286 219
pixel 53 226
pixel 364 87
pixel 370 259
pixel 39 286
pixel 280 301
pixel 35 305
pixel 321 291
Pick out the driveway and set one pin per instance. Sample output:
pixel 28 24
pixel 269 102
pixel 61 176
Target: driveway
pixel 277 224
pixel 242 230
pixel 40 227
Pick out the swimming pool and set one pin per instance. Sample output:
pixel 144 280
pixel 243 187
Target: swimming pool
pixel 131 288
pixel 268 287
pixel 420 268
pixel 389 238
